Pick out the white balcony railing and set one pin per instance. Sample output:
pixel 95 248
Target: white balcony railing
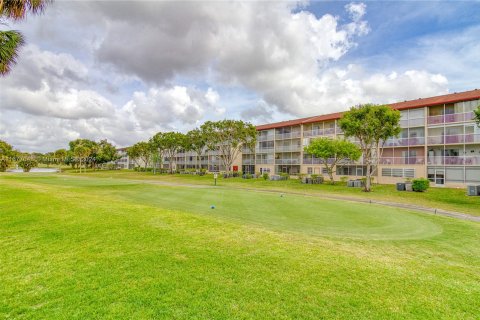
pixel 264 161
pixel 447 118
pixel 290 135
pixel 287 161
pixel 454 138
pixel 264 150
pixel 295 148
pixel 402 160
pixel 403 142
pixel 452 160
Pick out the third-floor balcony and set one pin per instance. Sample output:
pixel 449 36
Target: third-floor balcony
pixel 266 137
pixel 313 133
pixel 404 142
pixel 447 118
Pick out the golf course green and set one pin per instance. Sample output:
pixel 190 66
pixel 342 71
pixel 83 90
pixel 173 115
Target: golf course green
pixel 93 247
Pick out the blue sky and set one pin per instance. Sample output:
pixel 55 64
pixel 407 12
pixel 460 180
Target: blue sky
pixel 126 70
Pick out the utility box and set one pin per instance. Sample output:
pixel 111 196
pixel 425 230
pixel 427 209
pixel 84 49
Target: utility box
pixel 358 183
pixel 409 186
pixel 350 183
pixel 400 186
pixel 473 190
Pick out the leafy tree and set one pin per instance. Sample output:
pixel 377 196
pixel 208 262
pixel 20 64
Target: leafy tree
pixel 197 141
pixel 333 152
pixel 140 151
pixel 372 125
pixel 103 152
pixel 6 153
pixel 81 152
pixel 229 137
pixel 158 150
pixel 171 143
pixel 27 163
pixel 12 40
pixel 60 155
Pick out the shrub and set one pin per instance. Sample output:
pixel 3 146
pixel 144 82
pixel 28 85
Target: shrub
pixel 27 164
pixel 420 185
pixel 265 176
pixel 284 176
pixel 344 179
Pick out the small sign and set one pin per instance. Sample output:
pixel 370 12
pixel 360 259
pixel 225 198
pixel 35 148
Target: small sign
pixel 215 175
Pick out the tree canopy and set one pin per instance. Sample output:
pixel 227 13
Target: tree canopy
pixel 229 137
pixel 332 152
pixel 371 125
pixel 140 151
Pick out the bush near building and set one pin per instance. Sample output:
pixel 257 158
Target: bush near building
pixel 420 185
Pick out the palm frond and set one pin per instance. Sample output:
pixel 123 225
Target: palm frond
pixel 17 9
pixel 10 42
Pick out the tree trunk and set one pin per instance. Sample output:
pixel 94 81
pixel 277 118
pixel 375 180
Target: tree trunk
pixel 368 180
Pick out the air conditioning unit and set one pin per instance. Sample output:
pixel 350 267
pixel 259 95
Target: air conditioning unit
pixel 473 190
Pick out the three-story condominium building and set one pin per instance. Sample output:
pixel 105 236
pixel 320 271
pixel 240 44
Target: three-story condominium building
pixel 439 140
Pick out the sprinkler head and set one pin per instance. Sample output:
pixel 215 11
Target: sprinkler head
pixel 212 207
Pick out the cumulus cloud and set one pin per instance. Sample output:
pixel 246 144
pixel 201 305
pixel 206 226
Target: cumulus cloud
pixel 272 48
pixel 166 106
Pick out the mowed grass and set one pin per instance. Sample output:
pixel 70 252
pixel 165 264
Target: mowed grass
pixel 105 248
pixel 440 198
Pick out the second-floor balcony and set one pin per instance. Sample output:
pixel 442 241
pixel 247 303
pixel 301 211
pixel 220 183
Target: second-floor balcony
pixel 453 117
pixel 264 150
pixel 264 161
pixel 402 160
pixel 454 160
pixel 313 133
pixel 291 148
pixel 454 138
pixel 248 161
pixel 287 161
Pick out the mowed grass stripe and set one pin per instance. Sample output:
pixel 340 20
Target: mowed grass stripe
pixel 90 253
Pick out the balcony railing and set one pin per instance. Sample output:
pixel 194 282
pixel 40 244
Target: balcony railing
pixel 248 161
pixel 265 138
pixel 402 160
pixel 291 135
pixel 403 142
pixel 447 118
pixel 295 148
pixel 287 161
pixel 264 161
pixel 264 150
pixel 313 133
pixel 454 138
pixel 451 160
pixel 312 161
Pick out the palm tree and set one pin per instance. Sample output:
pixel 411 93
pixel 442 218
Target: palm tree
pixel 12 40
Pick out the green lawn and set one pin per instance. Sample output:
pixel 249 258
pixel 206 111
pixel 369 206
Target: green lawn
pixel 440 198
pixel 75 248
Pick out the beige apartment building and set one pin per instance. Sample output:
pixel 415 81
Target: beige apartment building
pixel 439 141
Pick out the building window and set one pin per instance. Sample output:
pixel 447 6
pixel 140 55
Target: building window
pixel 398 172
pixel 309 170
